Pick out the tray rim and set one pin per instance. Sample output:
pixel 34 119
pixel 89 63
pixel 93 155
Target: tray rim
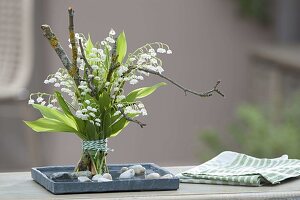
pixel 50 185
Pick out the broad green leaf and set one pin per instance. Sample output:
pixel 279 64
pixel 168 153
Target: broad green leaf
pixel 142 92
pixel 104 101
pixel 51 113
pixel 79 122
pixel 114 118
pixel 49 125
pixel 106 123
pixel 90 131
pixel 117 127
pixel 121 47
pixel 64 106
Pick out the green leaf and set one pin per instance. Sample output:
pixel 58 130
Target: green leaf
pixel 107 59
pixel 117 127
pixel 121 47
pixel 107 123
pixel 49 125
pixel 64 106
pixel 51 113
pixel 89 46
pixel 90 131
pixel 142 92
pixel 104 101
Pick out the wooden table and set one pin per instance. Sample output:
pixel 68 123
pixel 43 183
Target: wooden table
pixel 20 186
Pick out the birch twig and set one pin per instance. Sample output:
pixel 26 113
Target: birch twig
pixel 74 69
pixel 54 42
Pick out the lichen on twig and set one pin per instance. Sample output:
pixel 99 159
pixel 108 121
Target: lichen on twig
pixel 74 71
pixel 54 42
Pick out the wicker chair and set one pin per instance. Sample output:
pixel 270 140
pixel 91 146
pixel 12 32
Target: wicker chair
pixel 16 47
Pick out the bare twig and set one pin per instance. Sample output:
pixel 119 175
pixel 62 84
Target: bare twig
pixel 114 64
pixel 88 67
pixel 74 70
pixel 84 58
pixel 186 90
pixel 48 33
pixel 131 119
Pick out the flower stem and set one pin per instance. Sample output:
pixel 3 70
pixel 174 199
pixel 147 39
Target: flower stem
pixel 92 161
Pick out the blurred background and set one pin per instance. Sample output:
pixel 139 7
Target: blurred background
pixel 251 45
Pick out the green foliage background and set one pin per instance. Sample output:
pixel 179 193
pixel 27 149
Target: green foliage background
pixel 256 133
pixel 258 10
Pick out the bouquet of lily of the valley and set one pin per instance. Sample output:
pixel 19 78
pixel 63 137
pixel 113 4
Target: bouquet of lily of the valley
pixel 90 100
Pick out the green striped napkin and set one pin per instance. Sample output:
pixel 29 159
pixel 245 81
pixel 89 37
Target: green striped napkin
pixel 233 168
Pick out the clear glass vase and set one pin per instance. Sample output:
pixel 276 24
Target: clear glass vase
pixel 93 158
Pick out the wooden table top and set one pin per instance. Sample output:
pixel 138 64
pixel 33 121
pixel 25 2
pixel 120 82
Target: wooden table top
pixel 19 185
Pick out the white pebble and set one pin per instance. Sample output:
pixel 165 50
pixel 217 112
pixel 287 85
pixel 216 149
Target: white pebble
pixel 107 176
pixel 83 179
pixel 153 176
pixel 103 179
pixel 96 177
pixel 127 174
pixel 124 169
pixel 167 176
pixel 138 169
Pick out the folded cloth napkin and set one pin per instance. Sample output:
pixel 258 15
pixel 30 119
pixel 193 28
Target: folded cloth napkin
pixel 233 168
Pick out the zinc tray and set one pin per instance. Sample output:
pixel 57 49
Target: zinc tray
pixel 138 183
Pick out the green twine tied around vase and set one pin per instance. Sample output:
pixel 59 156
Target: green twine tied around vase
pixel 95 145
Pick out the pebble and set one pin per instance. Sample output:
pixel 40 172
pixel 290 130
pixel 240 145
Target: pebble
pixel 138 169
pixel 60 175
pixel 107 176
pixel 83 179
pixel 96 177
pixel 127 174
pixel 167 176
pixel 102 179
pixel 152 176
pixel 124 169
pixel 81 173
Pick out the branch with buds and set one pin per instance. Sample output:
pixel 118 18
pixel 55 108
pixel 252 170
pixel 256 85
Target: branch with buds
pixel 74 71
pixel 186 90
pixel 131 119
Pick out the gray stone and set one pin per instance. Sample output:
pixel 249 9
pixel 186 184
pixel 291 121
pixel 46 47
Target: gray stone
pixel 107 176
pixel 81 173
pixel 138 169
pixel 60 176
pixel 83 179
pixel 127 174
pixel 153 176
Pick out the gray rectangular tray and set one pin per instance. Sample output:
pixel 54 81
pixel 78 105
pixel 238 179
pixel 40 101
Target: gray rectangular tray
pixel 41 176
